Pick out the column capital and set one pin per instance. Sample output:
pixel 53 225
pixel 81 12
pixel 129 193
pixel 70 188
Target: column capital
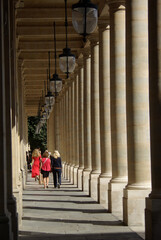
pixel 116 4
pixel 94 40
pixel 103 24
pixel 80 62
pixel 86 52
pixel 75 73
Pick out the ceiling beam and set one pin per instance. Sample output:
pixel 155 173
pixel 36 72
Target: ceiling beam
pixel 44 31
pixel 41 14
pixel 40 56
pixel 38 77
pixel 47 45
pixel 39 64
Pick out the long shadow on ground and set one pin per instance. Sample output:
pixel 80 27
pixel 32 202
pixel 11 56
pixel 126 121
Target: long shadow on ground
pixel 24 235
pixel 104 223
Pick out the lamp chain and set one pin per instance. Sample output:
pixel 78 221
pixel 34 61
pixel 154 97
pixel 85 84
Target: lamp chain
pixel 49 64
pixel 66 26
pixel 66 23
pixel 55 45
pixel 47 80
pixel 85 23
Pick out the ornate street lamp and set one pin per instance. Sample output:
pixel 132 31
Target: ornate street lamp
pixel 84 17
pixel 66 59
pixel 55 81
pixel 49 98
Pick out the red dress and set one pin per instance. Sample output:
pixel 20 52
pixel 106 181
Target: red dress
pixel 36 167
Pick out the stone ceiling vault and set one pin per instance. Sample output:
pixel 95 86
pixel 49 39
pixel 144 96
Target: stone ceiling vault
pixel 34 35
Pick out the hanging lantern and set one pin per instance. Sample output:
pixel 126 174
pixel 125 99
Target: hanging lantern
pixel 66 59
pixel 49 99
pixel 55 84
pixel 50 109
pixel 46 107
pixel 84 17
pixel 42 120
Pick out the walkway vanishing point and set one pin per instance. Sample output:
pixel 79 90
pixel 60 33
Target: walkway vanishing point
pixel 67 214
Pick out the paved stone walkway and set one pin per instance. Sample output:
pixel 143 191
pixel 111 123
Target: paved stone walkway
pixel 67 214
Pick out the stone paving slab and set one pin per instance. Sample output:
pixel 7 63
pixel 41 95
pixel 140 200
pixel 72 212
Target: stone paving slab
pixel 67 213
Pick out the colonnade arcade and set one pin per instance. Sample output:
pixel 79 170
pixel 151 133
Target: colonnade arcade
pixel 106 122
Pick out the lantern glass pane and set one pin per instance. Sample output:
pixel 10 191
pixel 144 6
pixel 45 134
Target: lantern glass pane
pixel 55 86
pixel 78 19
pixel 46 107
pixel 42 120
pixel 49 100
pixel 50 109
pixel 63 63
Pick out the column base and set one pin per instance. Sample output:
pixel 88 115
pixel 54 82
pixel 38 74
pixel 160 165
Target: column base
pixel 86 180
pixel 66 171
pixel 115 197
pixel 134 205
pixel 18 195
pixel 103 190
pixel 153 219
pixel 94 185
pixel 5 228
pixel 72 174
pixel 80 178
pixel 12 208
pixel 23 177
pixel 75 175
pixel 63 170
pixel 69 170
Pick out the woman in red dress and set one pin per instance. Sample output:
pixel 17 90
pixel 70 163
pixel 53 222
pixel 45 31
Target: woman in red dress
pixel 45 168
pixel 35 164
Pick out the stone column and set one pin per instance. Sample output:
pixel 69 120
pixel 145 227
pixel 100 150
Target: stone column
pixel 63 123
pixel 118 106
pixel 76 130
pixel 81 123
pixel 72 146
pixel 57 130
pixel 17 176
pixel 17 139
pixel 87 121
pixel 62 134
pixel 105 113
pixel 95 120
pixel 69 132
pixel 9 53
pixel 138 137
pixel 153 202
pixel 50 130
pixel 66 133
pixel 60 126
pixel 21 127
pixel 5 216
pixel 64 130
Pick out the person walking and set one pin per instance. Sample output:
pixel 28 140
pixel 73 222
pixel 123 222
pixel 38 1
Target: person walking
pixel 40 177
pixel 56 168
pixel 45 168
pixel 35 164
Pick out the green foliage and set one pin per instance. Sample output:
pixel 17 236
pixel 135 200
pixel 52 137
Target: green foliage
pixel 37 140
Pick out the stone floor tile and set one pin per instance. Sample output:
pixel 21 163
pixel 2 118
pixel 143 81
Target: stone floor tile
pixel 67 213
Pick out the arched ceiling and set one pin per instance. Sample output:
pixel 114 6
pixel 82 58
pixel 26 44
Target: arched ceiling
pixel 34 34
